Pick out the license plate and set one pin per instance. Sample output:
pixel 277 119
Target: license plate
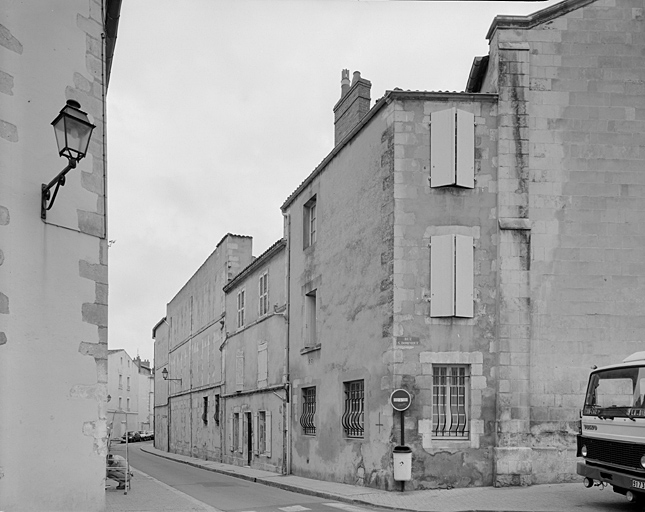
pixel 637 484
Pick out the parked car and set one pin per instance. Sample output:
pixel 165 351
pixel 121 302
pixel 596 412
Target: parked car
pixel 150 435
pixel 133 436
pixel 145 435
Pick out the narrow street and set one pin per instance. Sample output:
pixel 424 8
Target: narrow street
pixel 226 493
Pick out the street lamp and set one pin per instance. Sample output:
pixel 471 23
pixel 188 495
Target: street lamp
pixel 73 130
pixel 164 374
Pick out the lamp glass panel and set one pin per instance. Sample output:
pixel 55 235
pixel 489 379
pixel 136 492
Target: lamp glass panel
pixel 59 131
pixel 78 136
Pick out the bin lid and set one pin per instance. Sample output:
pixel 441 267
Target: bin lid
pixel 402 449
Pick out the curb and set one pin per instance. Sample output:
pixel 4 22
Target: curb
pixel 312 492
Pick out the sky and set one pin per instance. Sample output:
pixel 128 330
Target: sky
pixel 219 109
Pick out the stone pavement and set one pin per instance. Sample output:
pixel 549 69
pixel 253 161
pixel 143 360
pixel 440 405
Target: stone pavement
pixel 148 494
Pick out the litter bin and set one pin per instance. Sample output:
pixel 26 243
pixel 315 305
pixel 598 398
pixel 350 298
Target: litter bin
pixel 402 463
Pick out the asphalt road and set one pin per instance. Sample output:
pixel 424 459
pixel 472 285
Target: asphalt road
pixel 228 493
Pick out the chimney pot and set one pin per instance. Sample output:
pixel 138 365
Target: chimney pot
pixel 353 105
pixel 344 82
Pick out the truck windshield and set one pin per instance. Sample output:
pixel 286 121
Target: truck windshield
pixel 616 392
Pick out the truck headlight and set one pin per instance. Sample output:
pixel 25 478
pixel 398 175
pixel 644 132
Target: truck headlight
pixel 583 452
pixel 643 461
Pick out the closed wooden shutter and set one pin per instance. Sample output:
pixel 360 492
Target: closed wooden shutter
pixel 268 434
pixel 442 276
pixel 464 276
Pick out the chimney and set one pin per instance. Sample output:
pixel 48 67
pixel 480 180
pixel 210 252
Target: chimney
pixel 354 103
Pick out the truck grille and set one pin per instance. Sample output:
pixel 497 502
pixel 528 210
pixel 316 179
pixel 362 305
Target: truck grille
pixel 626 455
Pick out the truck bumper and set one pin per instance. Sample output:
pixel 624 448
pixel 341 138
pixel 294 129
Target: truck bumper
pixel 612 477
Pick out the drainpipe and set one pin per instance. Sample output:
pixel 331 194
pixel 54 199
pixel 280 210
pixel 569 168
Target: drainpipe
pixel 287 384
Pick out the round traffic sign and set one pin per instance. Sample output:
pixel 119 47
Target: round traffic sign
pixel 400 399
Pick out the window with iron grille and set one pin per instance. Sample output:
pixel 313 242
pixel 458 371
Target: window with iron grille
pixel 307 419
pixel 216 415
pixel 450 397
pixel 353 419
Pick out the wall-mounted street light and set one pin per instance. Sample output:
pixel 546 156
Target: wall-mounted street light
pixel 73 131
pixel 164 374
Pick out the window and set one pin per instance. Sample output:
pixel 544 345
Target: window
pixel 452 148
pixel 236 432
pixel 262 432
pixel 450 401
pixel 120 402
pixel 311 326
pixel 205 411
pixel 217 411
pixel 451 276
pixel 308 416
pixel 128 403
pixel 240 308
pixel 309 222
pixel 264 294
pixel 120 381
pixel 128 383
pixel 353 419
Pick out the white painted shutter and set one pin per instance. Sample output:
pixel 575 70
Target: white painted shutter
pixel 230 431
pixel 239 370
pixel 442 276
pixel 256 437
pixel 267 430
pixel 263 366
pixel 465 149
pixel 442 148
pixel 464 276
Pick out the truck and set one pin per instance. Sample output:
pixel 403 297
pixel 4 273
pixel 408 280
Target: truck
pixel 611 437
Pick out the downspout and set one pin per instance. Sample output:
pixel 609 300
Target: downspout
pixel 190 376
pixel 287 384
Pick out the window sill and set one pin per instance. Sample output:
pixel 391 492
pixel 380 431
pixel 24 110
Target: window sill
pixel 306 350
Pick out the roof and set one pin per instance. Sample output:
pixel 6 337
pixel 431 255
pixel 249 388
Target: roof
pixel 257 262
pixel 537 18
pixel 154 329
pixel 388 97
pixel 111 27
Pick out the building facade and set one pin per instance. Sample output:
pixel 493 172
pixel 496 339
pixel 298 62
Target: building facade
pixel 123 390
pixel 53 269
pixel 187 346
pixel 481 250
pixel 130 394
pixel 255 362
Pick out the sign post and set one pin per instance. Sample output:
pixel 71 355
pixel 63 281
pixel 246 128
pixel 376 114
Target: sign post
pixel 400 400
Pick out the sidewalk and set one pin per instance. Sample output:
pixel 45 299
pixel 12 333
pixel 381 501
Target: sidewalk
pixel 537 498
pixel 150 495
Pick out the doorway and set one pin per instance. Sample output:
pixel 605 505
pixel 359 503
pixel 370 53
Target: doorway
pixel 249 438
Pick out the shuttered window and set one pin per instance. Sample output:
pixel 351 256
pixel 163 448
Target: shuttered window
pixel 452 148
pixel 451 276
pixel 239 370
